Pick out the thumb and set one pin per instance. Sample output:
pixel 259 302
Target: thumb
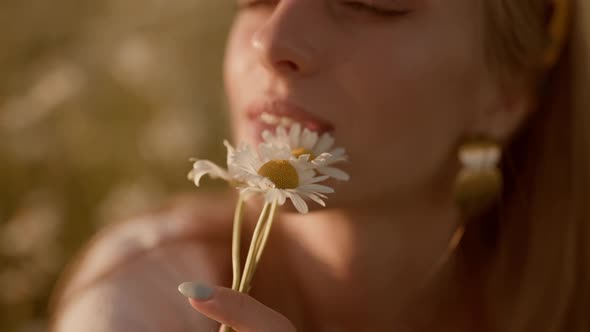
pixel 232 308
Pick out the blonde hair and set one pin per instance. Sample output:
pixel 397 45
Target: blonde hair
pixel 539 270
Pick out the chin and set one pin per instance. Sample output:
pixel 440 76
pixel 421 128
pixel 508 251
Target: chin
pixel 243 134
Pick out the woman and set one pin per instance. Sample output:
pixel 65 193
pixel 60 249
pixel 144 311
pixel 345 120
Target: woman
pixel 404 85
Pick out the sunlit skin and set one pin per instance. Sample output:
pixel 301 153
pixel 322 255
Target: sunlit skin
pixel 403 82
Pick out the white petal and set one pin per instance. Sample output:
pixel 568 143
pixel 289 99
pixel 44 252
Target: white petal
pixel 248 192
pixel 301 163
pixel 202 167
pixel 308 139
pixel 324 144
pixel 338 152
pixel 246 159
pixel 335 173
pixel 304 158
pixel 274 151
pixel 306 176
pixel 263 183
pixel 326 159
pixel 298 202
pixel 271 195
pixel 316 188
pixel 282 196
pixel 266 151
pixel 230 151
pixel 316 179
pixel 268 136
pixel 322 159
pixel 321 195
pixel 267 183
pixel 282 134
pixel 253 180
pixel 294 135
pixel 316 199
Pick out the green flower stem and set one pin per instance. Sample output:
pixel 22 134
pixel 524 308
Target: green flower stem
pixel 262 241
pixel 259 240
pixel 237 233
pixel 236 247
pixel 251 251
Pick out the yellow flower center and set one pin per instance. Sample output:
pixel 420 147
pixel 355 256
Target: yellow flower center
pixel 281 173
pixel 301 151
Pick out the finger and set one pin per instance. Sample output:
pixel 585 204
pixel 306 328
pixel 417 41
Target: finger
pixel 238 310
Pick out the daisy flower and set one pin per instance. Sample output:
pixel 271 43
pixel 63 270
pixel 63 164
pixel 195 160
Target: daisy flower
pixel 279 175
pixel 203 167
pixel 319 148
pixel 273 172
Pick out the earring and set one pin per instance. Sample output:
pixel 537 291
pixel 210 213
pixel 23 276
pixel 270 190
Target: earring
pixel 479 182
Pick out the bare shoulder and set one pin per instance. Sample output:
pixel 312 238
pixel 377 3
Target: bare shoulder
pixel 189 238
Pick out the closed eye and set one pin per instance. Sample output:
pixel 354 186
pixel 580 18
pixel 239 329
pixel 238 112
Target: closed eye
pixel 374 10
pixel 253 4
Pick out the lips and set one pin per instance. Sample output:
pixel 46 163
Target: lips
pixel 268 114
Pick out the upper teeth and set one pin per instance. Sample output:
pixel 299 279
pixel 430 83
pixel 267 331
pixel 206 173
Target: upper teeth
pixel 272 119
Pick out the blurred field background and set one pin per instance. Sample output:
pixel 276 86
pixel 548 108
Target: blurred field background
pixel 101 105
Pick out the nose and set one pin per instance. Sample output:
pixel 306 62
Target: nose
pixel 282 44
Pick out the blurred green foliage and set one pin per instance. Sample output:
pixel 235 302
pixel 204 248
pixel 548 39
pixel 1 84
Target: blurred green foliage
pixel 101 105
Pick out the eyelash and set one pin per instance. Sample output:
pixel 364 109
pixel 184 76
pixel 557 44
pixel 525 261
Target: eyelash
pixel 252 4
pixel 373 10
pixel 354 5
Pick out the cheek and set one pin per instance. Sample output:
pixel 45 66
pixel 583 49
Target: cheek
pixel 234 65
pixel 240 65
pixel 239 71
pixel 409 110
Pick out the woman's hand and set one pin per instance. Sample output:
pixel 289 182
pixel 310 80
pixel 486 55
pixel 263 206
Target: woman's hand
pixel 238 310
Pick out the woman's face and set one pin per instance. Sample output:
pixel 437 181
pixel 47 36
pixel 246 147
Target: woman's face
pixel 401 81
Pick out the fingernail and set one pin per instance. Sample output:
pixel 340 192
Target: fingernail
pixel 195 290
